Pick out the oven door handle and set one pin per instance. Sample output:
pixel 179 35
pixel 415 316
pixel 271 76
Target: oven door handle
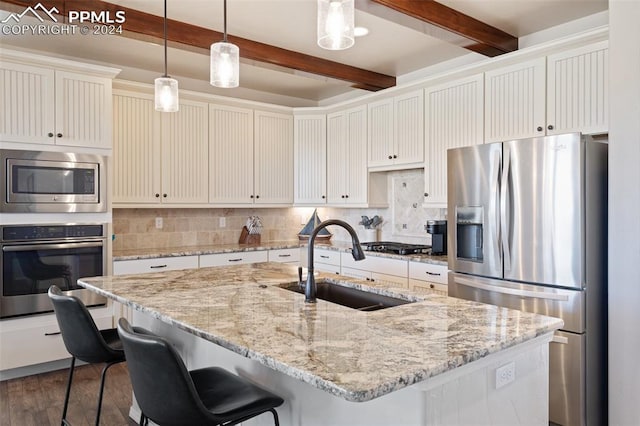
pixel 53 246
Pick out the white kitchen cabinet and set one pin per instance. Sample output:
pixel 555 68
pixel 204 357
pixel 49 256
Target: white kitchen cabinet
pixel 347 181
pixel 288 255
pixel 159 158
pixel 225 259
pixel 427 276
pixel 159 264
pixel 453 119
pixel 43 105
pixel 310 159
pixel 578 90
pixel 273 158
pixel 375 268
pixel 375 277
pixel 36 339
pixel 396 132
pixel 324 260
pixel 515 101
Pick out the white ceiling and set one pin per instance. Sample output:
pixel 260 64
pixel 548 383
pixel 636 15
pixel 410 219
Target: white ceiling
pixel 291 24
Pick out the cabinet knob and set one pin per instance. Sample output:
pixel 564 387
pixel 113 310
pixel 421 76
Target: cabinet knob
pixel 323 197
pixel 395 156
pixel 164 195
pixel 426 194
pixel 346 196
pixel 390 157
pixel 539 128
pixel 157 195
pixel 50 134
pixel 251 196
pixel 59 135
pixel 257 196
pixel 342 196
pixel 432 286
pixel 550 127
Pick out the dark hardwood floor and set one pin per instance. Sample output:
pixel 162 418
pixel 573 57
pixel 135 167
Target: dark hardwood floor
pixel 37 400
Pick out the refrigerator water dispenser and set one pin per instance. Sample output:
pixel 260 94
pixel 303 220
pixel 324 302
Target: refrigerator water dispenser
pixel 469 222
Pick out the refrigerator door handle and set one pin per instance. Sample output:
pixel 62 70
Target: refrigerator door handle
pixel 494 206
pixel 560 339
pixel 503 211
pixel 511 291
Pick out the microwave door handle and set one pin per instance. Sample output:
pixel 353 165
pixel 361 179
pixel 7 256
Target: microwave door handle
pixel 52 246
pixel 503 211
pixel 512 291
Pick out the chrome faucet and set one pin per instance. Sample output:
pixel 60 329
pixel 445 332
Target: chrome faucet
pixel 356 252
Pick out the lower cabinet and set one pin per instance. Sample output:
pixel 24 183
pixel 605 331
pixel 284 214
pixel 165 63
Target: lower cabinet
pixel 37 339
pixel 381 269
pixel 159 264
pixel 289 255
pixel 238 258
pixel 375 277
pixel 427 276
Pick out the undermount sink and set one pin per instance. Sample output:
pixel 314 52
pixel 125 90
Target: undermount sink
pixel 349 297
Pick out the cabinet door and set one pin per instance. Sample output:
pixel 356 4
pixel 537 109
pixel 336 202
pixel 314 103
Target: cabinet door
pixel 390 279
pixel 184 154
pixel 381 133
pixel 428 286
pixel 136 149
pixel 409 128
pixel 577 90
pixel 337 152
pixel 515 101
pixel 453 117
pixel 356 159
pixel 83 108
pixel 27 103
pixel 273 145
pixel 310 159
pixel 230 155
pixel 159 264
pixel 290 255
pixel 225 259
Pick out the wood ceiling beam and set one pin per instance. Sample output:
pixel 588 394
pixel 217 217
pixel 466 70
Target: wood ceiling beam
pixel 453 26
pixel 183 35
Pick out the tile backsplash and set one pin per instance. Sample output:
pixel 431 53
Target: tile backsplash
pixel 403 220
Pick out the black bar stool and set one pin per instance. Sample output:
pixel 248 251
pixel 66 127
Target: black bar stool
pixel 169 394
pixel 84 341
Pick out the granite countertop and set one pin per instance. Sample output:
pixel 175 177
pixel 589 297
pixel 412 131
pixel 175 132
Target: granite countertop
pixel 151 253
pixel 354 355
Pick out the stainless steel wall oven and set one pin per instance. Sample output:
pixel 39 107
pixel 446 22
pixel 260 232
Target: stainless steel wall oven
pixel 34 257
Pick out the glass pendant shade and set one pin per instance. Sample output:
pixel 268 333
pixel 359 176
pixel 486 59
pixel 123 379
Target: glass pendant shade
pixel 225 65
pixel 166 91
pixel 335 24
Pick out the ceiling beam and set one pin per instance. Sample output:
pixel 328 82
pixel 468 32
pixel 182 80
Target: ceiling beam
pixel 449 25
pixel 187 36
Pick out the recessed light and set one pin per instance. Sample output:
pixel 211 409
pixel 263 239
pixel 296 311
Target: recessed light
pixel 360 31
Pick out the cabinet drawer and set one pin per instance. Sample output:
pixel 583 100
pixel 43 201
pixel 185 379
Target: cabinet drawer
pixel 375 277
pixel 325 267
pixel 34 340
pixel 225 259
pixel 330 257
pixel 382 265
pixel 160 264
pixel 428 272
pixel 290 255
pixel 442 289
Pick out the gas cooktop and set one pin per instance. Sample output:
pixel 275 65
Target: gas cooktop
pixel 396 248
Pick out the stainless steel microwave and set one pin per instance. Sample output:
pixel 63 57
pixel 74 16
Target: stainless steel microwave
pixel 52 182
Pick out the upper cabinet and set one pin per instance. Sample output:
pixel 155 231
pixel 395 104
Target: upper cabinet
pixel 44 105
pixel 251 157
pixel 346 157
pixel 310 159
pixel 159 158
pixel 396 132
pixel 564 92
pixel 515 101
pixel 453 119
pixel 578 90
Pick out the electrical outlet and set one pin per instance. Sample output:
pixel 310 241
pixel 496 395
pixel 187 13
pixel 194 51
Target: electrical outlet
pixel 222 223
pixel 505 374
pixel 158 223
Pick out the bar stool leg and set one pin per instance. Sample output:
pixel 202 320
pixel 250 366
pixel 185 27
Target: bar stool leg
pixel 104 372
pixel 276 422
pixel 63 422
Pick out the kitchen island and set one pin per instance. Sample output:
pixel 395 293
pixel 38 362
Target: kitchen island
pixel 435 361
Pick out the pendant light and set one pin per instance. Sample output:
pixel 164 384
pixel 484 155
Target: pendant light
pixel 225 61
pixel 335 24
pixel 166 88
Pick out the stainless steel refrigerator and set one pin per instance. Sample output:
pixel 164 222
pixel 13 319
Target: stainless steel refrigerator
pixel 527 224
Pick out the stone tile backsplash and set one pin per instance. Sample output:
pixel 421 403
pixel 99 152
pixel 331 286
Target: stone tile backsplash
pixel 135 228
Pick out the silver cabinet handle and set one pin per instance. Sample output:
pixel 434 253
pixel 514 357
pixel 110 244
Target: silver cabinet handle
pixel 157 266
pixel 512 291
